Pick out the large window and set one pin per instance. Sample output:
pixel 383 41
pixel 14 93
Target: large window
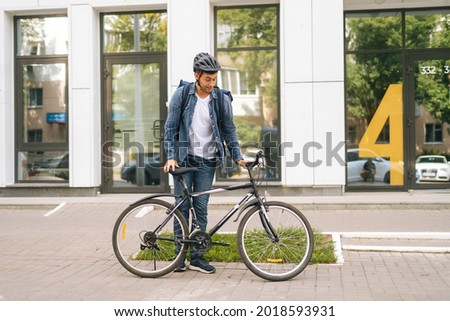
pixel 247 43
pixel 135 32
pixel 41 109
pixel 379 49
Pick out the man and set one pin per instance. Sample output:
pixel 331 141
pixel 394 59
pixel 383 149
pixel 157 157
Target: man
pixel 368 171
pixel 194 137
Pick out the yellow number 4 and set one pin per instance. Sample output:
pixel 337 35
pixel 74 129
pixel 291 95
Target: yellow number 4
pixel 391 108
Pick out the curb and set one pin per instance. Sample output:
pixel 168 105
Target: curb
pixel 402 249
pixel 373 206
pixel 394 235
pixel 42 207
pixel 300 206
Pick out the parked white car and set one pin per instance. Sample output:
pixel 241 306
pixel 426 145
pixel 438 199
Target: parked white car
pixel 433 168
pixel 355 164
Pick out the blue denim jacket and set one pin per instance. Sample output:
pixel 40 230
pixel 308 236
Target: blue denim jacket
pixel 177 146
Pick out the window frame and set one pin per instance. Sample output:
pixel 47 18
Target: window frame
pixel 276 48
pixel 434 129
pixel 19 98
pixel 37 95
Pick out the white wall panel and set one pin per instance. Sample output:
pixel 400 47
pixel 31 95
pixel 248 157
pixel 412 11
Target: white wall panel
pixel 84 115
pixel 296 38
pixel 19 3
pixel 60 3
pixel 128 3
pixel 82 139
pixel 81 46
pixel 297 126
pixel 328 40
pixel 107 4
pixel 6 101
pixel 329 118
pixel 189 34
pixel 2 102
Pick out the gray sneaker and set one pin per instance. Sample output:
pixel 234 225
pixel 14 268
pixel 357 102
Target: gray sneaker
pixel 201 265
pixel 181 267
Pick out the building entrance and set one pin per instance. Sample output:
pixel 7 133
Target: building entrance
pixel 428 118
pixel 398 99
pixel 135 106
pixel 134 47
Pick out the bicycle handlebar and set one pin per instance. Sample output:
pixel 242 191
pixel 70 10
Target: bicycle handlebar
pixel 258 157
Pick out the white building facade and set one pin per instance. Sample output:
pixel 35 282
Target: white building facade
pixel 80 118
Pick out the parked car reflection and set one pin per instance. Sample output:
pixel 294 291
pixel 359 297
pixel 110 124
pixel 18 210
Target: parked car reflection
pixel 433 168
pixel 46 168
pixel 355 164
pixel 152 169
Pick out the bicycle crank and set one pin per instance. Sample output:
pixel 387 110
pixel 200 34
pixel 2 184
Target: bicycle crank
pixel 201 242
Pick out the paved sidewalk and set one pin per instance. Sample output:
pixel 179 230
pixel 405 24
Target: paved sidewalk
pixel 68 256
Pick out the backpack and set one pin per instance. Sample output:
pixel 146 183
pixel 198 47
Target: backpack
pixel 220 92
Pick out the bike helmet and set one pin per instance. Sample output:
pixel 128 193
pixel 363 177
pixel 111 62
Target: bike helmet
pixel 205 62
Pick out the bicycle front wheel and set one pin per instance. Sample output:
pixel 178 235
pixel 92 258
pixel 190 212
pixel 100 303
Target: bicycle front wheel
pixel 145 241
pixel 278 246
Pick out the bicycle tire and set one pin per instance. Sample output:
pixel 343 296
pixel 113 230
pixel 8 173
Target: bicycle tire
pixel 275 260
pixel 142 251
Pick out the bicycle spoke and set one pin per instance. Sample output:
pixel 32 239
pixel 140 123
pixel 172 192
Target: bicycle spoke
pixel 280 258
pixel 144 239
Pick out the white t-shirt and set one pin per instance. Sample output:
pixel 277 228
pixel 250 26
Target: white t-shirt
pixel 201 132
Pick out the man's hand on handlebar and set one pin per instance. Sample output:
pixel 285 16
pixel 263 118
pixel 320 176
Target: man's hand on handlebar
pixel 170 164
pixel 243 163
pixel 251 164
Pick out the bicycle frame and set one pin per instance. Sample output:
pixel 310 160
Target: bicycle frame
pixel 242 205
pixel 253 192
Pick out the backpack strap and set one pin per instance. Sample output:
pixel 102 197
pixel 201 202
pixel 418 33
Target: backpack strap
pixel 219 111
pixel 186 87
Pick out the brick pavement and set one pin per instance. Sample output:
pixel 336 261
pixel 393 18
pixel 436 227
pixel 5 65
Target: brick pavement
pixel 68 256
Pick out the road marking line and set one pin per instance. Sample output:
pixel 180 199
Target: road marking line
pixel 53 211
pixel 144 211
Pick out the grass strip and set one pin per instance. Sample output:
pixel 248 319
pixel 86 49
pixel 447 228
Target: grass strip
pixel 323 249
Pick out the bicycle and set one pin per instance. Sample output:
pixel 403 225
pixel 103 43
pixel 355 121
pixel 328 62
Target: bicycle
pixel 274 239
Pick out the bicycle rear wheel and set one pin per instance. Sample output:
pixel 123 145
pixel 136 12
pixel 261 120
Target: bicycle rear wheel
pixel 144 241
pixel 276 257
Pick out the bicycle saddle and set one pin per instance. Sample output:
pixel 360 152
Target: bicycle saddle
pixel 183 170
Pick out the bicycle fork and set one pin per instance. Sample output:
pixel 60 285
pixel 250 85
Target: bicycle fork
pixel 267 225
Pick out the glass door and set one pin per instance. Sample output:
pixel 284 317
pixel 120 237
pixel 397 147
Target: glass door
pixel 135 108
pixel 428 119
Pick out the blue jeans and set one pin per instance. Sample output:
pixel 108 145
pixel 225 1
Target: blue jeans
pixel 196 182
